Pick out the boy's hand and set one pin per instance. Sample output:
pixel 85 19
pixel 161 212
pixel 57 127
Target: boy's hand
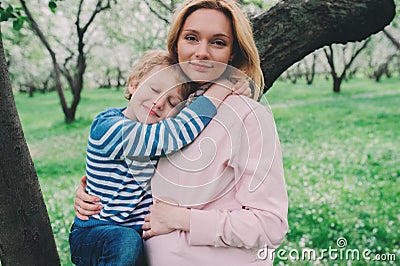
pixel 242 87
pixel 223 88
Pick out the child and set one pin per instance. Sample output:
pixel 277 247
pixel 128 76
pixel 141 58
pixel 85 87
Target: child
pixel 123 149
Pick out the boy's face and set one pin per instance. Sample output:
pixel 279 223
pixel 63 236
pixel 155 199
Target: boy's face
pixel 156 96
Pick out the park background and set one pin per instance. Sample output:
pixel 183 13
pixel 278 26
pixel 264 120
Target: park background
pixel 341 149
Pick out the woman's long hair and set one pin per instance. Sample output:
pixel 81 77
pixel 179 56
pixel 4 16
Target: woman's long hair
pixel 246 57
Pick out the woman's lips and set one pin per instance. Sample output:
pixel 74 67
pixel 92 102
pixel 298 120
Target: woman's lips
pixel 201 65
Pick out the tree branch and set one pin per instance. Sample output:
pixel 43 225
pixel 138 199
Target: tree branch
pixel 56 66
pixel 98 9
pixel 152 10
pixel 392 39
pixel 358 51
pixel 329 57
pixel 292 29
pixel 169 8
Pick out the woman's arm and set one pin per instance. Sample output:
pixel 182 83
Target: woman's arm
pixel 83 204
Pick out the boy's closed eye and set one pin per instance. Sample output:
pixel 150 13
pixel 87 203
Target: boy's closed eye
pixel 174 101
pixel 154 89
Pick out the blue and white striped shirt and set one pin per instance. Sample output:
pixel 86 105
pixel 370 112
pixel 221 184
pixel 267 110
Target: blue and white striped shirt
pixel 122 155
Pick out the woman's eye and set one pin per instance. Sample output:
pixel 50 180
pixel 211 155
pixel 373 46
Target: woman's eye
pixel 190 37
pixel 220 43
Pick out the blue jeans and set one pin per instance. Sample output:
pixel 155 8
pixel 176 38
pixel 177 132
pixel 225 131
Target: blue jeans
pixel 105 245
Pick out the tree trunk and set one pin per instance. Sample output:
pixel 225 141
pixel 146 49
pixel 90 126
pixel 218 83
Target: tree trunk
pixel 75 81
pixel 337 81
pixel 338 78
pixel 310 70
pixel 119 78
pixel 56 67
pixel 380 71
pixel 26 237
pixel 292 29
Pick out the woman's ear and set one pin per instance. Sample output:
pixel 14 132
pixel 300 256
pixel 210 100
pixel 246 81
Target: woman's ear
pixel 232 57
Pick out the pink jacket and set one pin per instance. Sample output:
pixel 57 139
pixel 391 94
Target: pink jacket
pixel 232 178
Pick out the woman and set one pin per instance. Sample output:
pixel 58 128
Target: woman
pixel 224 196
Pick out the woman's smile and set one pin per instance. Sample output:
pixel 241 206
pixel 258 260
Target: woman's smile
pixel 201 65
pixel 202 46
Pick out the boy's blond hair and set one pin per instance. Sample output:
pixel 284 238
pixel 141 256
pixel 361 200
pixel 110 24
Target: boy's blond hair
pixel 145 64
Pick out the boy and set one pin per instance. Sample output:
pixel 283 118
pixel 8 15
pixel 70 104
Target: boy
pixel 124 145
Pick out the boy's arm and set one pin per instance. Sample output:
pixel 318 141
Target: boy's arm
pixel 173 134
pixel 168 135
pixel 130 138
pixel 114 136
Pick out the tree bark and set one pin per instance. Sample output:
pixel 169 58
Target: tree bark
pixel 292 29
pixel 26 237
pixel 337 82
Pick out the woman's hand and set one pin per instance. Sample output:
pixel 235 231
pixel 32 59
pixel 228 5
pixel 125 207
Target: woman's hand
pixel 165 218
pixel 83 204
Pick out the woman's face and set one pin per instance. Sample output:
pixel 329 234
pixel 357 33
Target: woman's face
pixel 205 44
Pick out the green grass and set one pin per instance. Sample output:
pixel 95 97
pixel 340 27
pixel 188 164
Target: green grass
pixel 58 151
pixel 341 158
pixel 342 165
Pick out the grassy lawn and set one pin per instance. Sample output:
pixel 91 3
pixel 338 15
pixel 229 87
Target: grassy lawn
pixel 341 158
pixel 58 151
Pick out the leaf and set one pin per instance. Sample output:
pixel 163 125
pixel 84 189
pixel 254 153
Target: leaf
pixel 6 15
pixel 9 9
pixel 53 6
pixel 18 23
pixel 10 12
pixel 3 17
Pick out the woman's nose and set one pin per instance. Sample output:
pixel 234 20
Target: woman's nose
pixel 202 51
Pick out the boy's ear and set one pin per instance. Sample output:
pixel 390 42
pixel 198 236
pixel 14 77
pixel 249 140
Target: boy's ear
pixel 131 89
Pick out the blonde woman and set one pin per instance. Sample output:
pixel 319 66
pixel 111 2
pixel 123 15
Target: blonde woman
pixel 223 198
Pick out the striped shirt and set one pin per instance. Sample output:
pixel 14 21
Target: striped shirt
pixel 122 155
